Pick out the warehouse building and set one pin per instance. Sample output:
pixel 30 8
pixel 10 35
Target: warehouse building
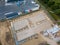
pixel 9 9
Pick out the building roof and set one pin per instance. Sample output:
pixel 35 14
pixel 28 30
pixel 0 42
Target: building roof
pixel 14 8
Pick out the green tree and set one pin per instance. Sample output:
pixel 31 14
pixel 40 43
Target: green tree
pixel 58 5
pixel 57 12
pixel 55 6
pixel 50 3
pixel 45 1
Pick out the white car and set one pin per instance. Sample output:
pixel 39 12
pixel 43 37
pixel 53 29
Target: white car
pixel 33 2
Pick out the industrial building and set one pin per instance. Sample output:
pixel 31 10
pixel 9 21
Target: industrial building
pixel 10 9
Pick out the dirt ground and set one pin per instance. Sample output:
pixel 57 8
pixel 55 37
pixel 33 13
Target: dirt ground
pixel 35 41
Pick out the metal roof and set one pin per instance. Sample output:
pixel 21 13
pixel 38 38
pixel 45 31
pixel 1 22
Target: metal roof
pixel 14 8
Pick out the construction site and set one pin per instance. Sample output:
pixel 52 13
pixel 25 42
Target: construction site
pixel 34 28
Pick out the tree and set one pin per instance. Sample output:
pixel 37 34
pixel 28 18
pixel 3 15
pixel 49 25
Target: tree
pixel 58 5
pixel 50 3
pixel 45 1
pixel 57 12
pixel 55 6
